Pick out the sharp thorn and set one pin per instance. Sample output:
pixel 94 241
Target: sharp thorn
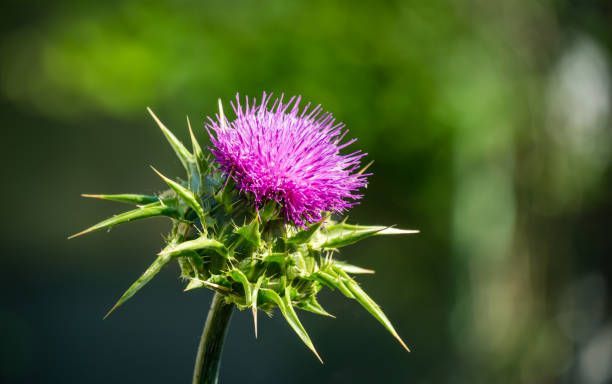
pixel 368 165
pixel 402 343
pixel 254 311
pixel 91 196
pixel 110 311
pixel 79 234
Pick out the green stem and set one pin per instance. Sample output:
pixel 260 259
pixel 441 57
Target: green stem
pixel 208 360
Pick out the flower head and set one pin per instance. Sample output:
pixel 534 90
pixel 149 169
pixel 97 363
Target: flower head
pixel 277 151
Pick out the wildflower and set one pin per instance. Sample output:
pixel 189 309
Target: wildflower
pixel 277 151
pixel 222 241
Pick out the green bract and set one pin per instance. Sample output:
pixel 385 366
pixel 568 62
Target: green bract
pixel 254 258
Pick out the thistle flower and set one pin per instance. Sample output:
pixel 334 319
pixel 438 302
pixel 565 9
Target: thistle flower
pixel 257 256
pixel 291 156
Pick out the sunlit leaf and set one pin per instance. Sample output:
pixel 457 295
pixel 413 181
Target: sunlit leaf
pixel 371 306
pixel 312 305
pixel 186 195
pixel 276 257
pixel 195 283
pixel 304 236
pixel 153 270
pixel 182 153
pixel 342 234
pixel 286 308
pixel 197 149
pixel 254 295
pixel 353 269
pixel 198 244
pixel 241 278
pixel 201 163
pixel 128 198
pixel 333 282
pixel 250 233
pixel 150 210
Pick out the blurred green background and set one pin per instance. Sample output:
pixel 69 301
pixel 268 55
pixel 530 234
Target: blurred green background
pixel 490 126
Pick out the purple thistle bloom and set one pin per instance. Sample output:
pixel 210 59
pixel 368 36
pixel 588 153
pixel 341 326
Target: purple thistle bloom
pixel 282 154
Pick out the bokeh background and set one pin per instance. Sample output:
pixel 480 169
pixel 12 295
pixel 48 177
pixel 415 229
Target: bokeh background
pixel 490 126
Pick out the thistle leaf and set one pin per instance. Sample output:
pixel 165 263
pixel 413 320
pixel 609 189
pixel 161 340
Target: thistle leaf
pixel 371 306
pixel 181 152
pixel 241 278
pixel 150 210
pixel 254 295
pixel 333 282
pixel 352 269
pixel 201 163
pixel 250 233
pixel 269 211
pixel 196 245
pixel 286 308
pixel 185 267
pixel 304 236
pixel 128 198
pixel 397 231
pixel 342 234
pixel 197 149
pixel 186 195
pixel 325 279
pixel 312 305
pixel 153 270
pixel 195 283
pixel 275 257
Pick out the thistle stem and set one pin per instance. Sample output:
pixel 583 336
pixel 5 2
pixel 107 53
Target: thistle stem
pixel 208 360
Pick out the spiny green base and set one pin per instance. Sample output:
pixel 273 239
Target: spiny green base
pixel 248 254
